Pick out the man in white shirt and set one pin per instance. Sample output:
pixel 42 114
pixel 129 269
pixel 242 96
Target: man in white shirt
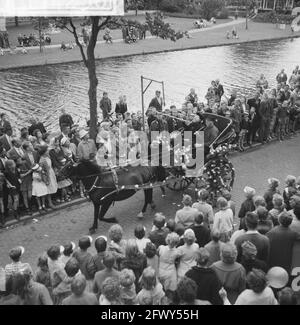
pixel 186 215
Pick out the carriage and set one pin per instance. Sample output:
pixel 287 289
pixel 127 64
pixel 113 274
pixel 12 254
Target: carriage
pixel 217 173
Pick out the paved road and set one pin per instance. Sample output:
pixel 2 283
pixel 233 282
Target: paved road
pixel 252 168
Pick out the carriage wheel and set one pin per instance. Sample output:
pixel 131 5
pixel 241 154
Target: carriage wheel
pixel 179 183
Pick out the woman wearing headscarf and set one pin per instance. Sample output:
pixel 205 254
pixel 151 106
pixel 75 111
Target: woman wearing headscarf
pixel 231 274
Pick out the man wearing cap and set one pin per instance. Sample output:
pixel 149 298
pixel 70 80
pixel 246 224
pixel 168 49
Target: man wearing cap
pixel 157 101
pixel 249 260
pixel 186 216
pixel 86 148
pixel 261 242
pixel 16 266
pixel 282 240
pixel 208 284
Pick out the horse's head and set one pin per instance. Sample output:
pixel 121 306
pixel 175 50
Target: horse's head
pixel 82 169
pixel 69 170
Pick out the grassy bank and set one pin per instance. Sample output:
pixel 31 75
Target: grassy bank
pixel 199 39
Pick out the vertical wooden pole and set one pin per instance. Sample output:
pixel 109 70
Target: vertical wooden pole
pixel 143 106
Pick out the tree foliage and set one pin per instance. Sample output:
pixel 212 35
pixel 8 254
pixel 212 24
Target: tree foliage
pixel 210 8
pixel 155 24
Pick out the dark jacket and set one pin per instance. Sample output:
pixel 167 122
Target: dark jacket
pixel 208 284
pixel 4 143
pixel 261 242
pixel 158 237
pixel 121 108
pixel 202 235
pixel 210 134
pixel 156 103
pixel 105 104
pixel 247 206
pixel 250 264
pixel 282 241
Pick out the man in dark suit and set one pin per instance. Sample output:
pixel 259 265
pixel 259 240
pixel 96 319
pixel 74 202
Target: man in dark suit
pixel 260 241
pixel 5 139
pixel 210 132
pixel 4 123
pixel 121 106
pixel 3 158
pixel 16 152
pixel 157 101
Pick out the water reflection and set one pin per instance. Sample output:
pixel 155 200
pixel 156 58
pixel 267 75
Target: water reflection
pixel 43 91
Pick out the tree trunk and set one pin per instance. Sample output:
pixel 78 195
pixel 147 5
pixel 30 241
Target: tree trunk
pixel 91 65
pixel 40 35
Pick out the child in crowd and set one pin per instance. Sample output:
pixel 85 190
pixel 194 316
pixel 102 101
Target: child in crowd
pixel 245 128
pixel 108 272
pixel 26 184
pixel 224 220
pixel 141 241
pixel 152 292
pixel 68 252
pixel 128 292
pixel 171 225
pixel 39 187
pixel 278 208
pixel 63 290
pixel 264 223
pixel 159 233
pixel 273 189
pixel 110 293
pixel 43 274
pixel 97 260
pixel 117 244
pixel 13 181
pixel 289 190
pixel 282 113
pixel 231 204
pixel 2 182
pixel 84 259
pixel 214 247
pixel 151 255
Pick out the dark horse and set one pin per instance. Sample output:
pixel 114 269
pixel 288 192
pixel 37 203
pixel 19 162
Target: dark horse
pixel 105 186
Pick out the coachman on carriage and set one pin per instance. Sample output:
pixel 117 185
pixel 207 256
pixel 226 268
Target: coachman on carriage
pixel 105 186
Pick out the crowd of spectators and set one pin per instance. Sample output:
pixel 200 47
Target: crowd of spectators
pixel 197 258
pixel 31 159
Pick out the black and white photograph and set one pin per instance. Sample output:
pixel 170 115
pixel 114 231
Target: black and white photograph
pixel 149 155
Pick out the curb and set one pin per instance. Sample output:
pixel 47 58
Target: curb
pixel 78 201
pixel 36 215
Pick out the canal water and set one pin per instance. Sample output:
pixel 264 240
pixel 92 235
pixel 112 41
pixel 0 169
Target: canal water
pixel 43 91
